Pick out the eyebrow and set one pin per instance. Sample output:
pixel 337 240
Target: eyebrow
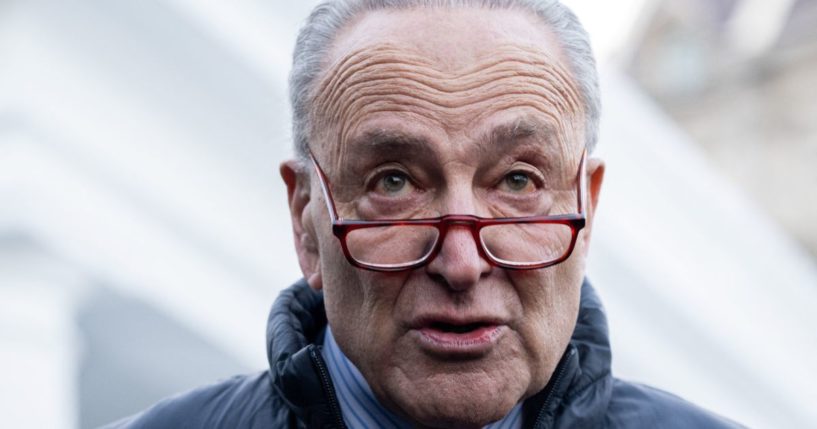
pixel 381 142
pixel 505 137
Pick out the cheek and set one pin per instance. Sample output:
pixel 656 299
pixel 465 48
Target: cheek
pixel 360 307
pixel 344 293
pixel 550 304
pixel 551 294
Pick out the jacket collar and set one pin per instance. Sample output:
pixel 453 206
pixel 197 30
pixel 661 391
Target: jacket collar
pixel 579 390
pixel 581 386
pixel 297 373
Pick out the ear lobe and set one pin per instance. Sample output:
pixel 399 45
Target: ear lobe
pixel 315 281
pixel 299 197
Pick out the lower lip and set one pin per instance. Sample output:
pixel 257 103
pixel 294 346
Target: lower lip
pixel 468 344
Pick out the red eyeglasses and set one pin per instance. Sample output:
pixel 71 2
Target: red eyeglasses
pixel 514 243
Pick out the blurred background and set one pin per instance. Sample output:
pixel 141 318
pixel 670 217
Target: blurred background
pixel 144 231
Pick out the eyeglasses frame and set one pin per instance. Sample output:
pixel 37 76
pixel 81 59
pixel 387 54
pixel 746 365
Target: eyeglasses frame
pixel 342 227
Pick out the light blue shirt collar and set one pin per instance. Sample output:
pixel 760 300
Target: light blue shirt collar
pixel 358 404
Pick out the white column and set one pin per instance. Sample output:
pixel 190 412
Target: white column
pixel 38 341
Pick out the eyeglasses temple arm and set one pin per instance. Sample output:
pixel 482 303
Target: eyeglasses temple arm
pixel 582 183
pixel 327 194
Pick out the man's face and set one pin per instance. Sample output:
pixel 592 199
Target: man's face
pixel 427 112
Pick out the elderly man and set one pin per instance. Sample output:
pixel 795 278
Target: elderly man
pixel 442 202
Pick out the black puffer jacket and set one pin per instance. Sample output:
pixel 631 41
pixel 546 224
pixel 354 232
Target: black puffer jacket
pixel 296 391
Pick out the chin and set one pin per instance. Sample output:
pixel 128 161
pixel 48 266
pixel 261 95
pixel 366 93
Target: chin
pixel 471 399
pixel 458 413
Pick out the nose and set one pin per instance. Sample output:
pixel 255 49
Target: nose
pixel 459 262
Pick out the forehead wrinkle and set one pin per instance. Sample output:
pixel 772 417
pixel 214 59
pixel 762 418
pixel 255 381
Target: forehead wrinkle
pixel 403 97
pixel 387 52
pixel 372 66
pixel 391 79
pixel 355 63
pixel 505 83
pixel 367 108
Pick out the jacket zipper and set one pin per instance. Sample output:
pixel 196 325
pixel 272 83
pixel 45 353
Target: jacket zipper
pixel 541 416
pixel 327 387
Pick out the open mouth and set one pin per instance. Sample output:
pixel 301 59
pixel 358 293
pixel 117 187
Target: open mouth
pixel 459 339
pixel 457 329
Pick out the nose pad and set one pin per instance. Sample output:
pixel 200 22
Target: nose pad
pixel 459 262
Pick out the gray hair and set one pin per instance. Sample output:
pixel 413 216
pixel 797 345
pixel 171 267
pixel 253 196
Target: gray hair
pixel 328 18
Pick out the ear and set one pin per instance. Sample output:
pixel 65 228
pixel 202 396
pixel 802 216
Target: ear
pixel 595 177
pixel 303 226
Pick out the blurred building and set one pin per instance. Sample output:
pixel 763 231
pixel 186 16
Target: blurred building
pixel 741 78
